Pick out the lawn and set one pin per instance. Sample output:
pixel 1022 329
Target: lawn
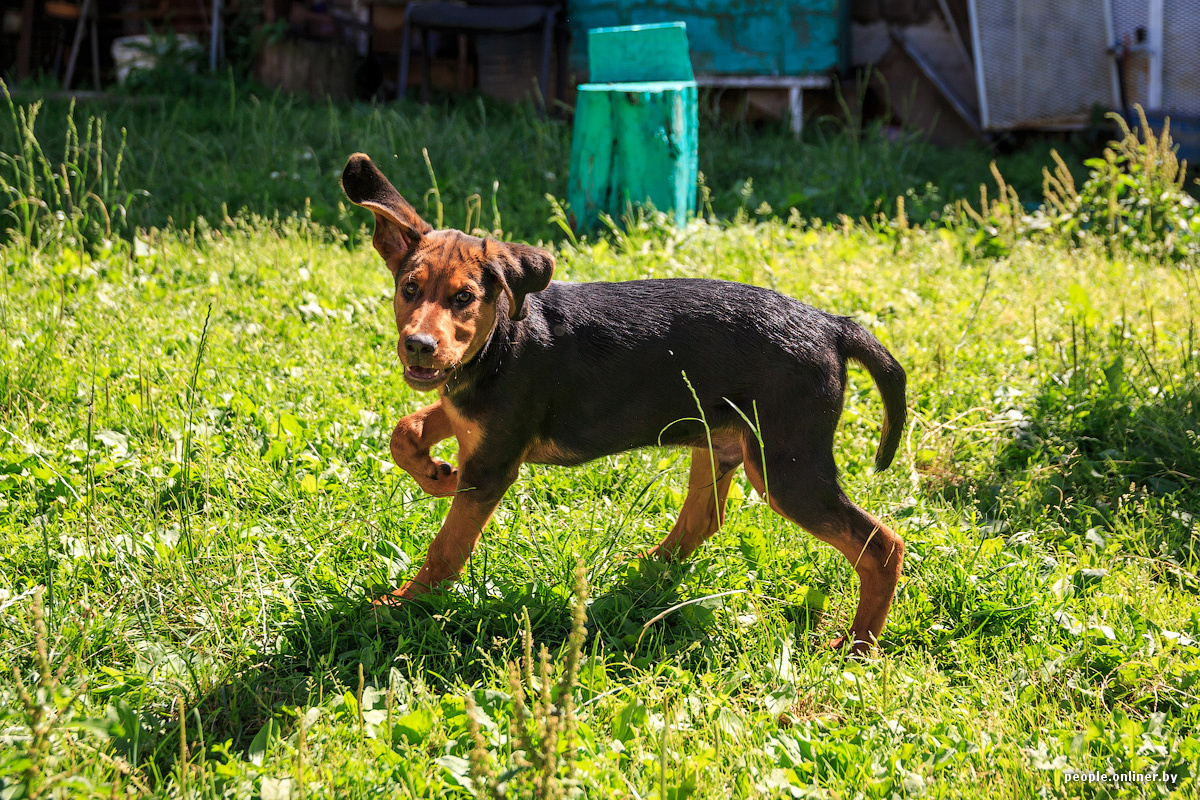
pixel 197 501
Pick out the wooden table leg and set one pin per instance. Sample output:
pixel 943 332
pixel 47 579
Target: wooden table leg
pixel 463 84
pixel 796 109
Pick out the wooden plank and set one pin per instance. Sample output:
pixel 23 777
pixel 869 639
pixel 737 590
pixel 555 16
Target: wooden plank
pixel 765 81
pixel 917 102
pixel 937 80
pixel 657 155
pixel 794 84
pixel 639 53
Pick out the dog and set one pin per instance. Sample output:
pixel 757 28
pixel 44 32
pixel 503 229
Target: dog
pixel 527 369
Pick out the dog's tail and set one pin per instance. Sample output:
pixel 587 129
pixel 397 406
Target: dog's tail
pixel 889 377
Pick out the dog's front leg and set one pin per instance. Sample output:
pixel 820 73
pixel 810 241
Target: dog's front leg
pixel 469 514
pixel 411 440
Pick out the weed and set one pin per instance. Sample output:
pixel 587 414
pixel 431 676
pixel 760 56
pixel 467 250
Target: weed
pixel 1133 202
pixel 998 222
pixel 77 202
pixel 45 705
pixel 543 732
pixel 1134 198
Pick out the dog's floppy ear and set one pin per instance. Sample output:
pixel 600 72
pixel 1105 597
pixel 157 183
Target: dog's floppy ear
pixel 521 270
pixel 398 227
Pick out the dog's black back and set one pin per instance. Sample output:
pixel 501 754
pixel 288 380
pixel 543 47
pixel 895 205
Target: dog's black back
pixel 606 367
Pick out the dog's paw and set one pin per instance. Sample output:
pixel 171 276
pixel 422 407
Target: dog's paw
pixel 439 478
pixel 859 647
pixel 389 600
pixel 398 597
pixel 667 554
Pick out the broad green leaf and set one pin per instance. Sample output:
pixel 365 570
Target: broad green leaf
pixel 753 545
pixel 291 423
pixel 628 720
pixel 414 726
pixel 276 450
pixel 458 770
pixel 810 597
pixel 262 741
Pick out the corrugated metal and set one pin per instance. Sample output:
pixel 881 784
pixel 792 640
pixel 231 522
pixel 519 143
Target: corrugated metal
pixel 747 37
pixel 1042 63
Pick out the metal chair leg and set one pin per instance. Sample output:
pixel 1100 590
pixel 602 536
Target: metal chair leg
pixel 85 12
pixel 405 55
pixel 426 62
pixel 544 74
pixel 59 50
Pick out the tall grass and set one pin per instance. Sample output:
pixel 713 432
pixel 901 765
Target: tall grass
pixel 76 199
pixel 215 148
pixel 1046 616
pixel 1135 197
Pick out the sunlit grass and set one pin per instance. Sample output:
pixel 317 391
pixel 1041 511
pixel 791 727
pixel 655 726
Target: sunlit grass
pixel 1048 596
pixel 197 502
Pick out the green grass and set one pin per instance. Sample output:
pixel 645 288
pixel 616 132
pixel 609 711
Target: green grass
pixel 208 149
pixel 194 475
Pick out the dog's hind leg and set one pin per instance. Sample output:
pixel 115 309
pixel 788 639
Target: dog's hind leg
pixel 703 509
pixel 803 488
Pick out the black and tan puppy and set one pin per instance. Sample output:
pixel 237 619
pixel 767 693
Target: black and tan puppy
pixel 527 369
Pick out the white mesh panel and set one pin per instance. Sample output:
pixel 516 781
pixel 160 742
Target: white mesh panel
pixel 1181 57
pixel 1128 16
pixel 1042 63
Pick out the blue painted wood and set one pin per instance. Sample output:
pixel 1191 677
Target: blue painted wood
pixel 734 37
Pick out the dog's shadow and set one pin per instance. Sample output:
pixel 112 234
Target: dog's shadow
pixel 457 637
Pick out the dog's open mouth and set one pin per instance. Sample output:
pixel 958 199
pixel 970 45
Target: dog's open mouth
pixel 424 374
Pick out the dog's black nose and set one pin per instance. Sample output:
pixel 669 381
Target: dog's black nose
pixel 420 345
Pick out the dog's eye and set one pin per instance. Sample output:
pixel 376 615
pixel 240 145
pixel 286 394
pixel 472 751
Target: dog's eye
pixel 464 297
pixel 409 290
